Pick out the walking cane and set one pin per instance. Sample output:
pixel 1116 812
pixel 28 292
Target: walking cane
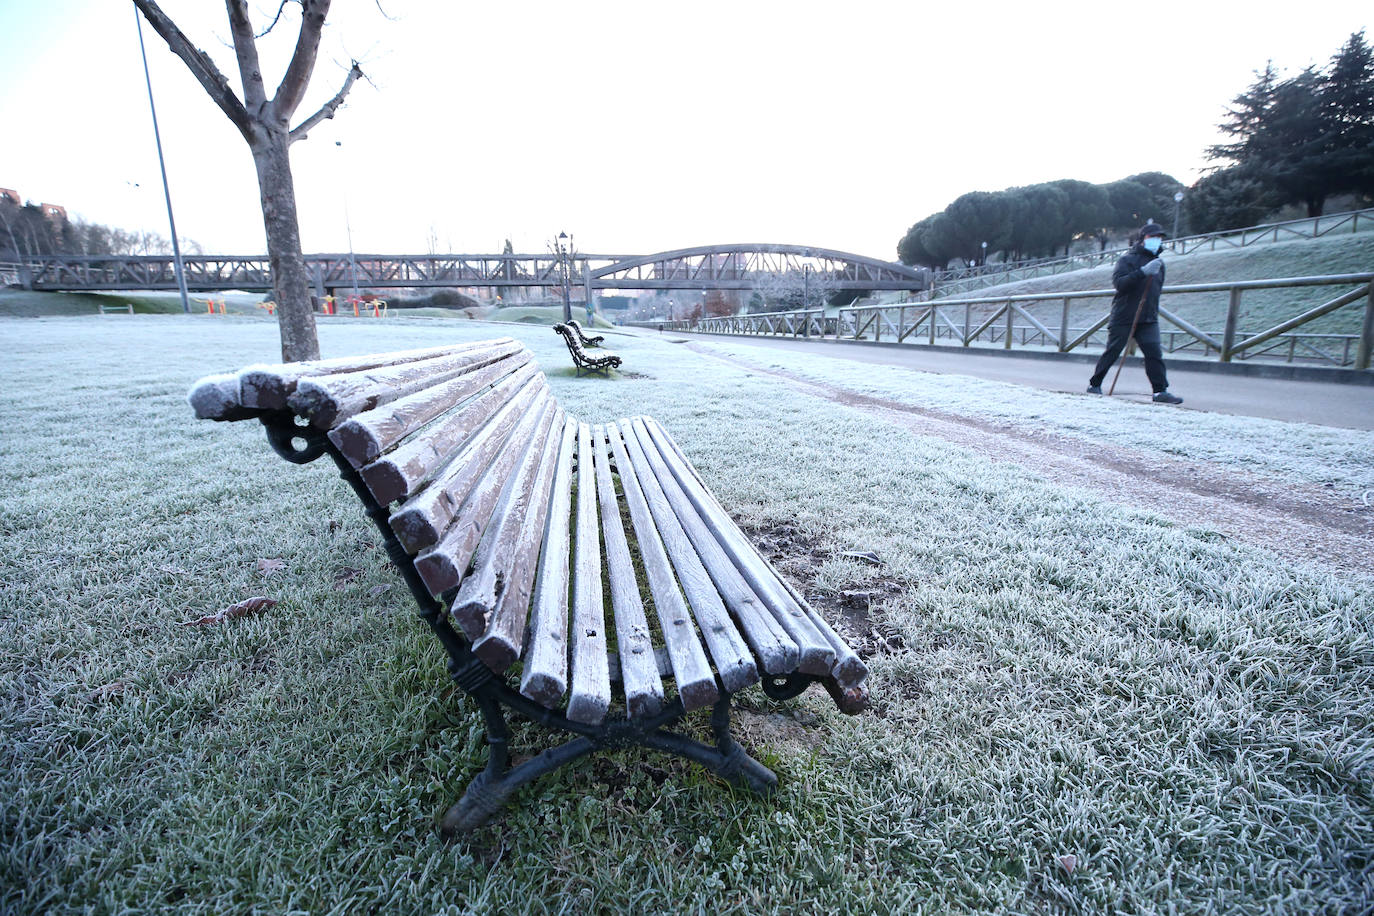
pixel 1149 281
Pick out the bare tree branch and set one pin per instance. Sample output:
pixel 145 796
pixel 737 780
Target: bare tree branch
pixel 250 71
pixel 200 65
pixel 292 88
pixel 300 130
pixel 275 20
pixel 384 15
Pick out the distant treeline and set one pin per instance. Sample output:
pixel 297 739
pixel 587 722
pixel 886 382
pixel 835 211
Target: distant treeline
pixel 1297 141
pixel 1038 220
pixel 28 232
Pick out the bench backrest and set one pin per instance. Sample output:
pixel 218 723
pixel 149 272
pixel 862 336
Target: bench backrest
pixel 580 356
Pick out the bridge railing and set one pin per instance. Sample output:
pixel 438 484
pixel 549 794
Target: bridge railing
pixel 964 279
pixel 1012 321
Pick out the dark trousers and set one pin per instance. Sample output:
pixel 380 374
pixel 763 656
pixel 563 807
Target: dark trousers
pixel 1147 338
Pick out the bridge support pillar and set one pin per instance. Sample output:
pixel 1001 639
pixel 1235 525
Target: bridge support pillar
pixel 317 270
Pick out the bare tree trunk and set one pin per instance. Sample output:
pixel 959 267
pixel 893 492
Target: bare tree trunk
pixel 290 284
pixel 264 123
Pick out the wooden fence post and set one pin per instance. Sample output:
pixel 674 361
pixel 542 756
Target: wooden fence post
pixel 1228 339
pixel 1362 355
pixel 1011 315
pixel 1064 326
pixel 930 316
pixel 968 322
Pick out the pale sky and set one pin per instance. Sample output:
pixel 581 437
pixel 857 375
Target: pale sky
pixel 637 126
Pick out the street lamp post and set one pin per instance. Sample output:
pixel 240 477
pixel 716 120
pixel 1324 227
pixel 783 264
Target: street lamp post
pixel 348 228
pixel 162 164
pixel 1178 201
pixel 563 247
pixel 985 254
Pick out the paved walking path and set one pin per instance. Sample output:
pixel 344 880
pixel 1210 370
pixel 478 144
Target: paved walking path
pixel 1322 403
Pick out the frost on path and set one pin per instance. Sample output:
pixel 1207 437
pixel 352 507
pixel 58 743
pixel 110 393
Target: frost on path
pixel 1304 521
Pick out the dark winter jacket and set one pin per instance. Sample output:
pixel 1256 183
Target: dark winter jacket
pixel 1130 286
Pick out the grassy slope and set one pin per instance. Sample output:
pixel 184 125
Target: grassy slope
pixel 1261 309
pixel 1188 718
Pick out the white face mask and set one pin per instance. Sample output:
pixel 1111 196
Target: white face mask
pixel 1152 244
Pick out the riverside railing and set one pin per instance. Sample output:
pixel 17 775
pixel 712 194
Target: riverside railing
pixel 963 279
pixel 997 324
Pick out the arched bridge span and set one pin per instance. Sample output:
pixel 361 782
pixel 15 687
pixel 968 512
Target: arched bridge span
pixel 741 266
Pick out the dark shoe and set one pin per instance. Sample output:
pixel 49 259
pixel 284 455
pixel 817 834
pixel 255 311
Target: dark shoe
pixel 1094 389
pixel 1164 397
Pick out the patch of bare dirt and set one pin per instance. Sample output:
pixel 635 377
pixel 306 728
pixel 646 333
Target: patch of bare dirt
pixel 1303 521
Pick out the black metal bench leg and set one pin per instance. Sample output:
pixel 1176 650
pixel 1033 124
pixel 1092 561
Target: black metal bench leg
pixel 727 759
pixel 489 790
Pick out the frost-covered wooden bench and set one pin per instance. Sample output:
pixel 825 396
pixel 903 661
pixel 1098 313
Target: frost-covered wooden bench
pixel 587 340
pixel 505 517
pixel 604 360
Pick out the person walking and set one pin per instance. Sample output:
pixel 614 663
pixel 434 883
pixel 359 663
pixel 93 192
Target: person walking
pixel 1138 279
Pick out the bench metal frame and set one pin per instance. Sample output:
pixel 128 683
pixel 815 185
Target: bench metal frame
pixel 489 790
pixel 581 360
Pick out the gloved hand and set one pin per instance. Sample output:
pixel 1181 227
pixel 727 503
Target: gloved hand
pixel 1152 267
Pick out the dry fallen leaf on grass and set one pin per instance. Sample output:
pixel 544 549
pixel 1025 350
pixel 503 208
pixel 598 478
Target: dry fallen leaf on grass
pixel 378 590
pixel 242 609
pixel 1068 862
pixel 106 691
pixel 269 566
pixel 344 575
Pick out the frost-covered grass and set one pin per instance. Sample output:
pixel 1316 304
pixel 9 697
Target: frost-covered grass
pixel 1298 452
pixel 1095 710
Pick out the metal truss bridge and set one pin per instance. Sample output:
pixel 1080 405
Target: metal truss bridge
pixel 742 267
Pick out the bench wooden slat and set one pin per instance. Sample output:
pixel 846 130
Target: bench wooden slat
pixel 330 399
pixel 545 678
pixel 731 654
pixel 696 685
pixel 400 472
pixel 639 670
pixel 365 437
pixel 267 387
pixel 775 649
pixel 443 566
pixel 480 592
pixel 216 397
pixel 424 518
pixel 591 680
pixel 518 554
pixel 817 652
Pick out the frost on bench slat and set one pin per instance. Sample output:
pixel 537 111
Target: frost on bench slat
pixel 368 435
pixel 817 653
pixel 481 591
pixel 268 386
pixel 327 400
pixel 545 678
pixel 774 648
pixel 443 566
pixel 639 671
pixel 696 685
pixel 400 473
pixel 422 520
pixel 591 679
pixel 728 650
pixel 216 397
pixel 518 556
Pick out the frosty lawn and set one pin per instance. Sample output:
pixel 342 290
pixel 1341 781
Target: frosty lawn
pixel 1090 709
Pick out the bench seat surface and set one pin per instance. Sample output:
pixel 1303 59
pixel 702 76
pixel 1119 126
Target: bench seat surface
pixel 593 554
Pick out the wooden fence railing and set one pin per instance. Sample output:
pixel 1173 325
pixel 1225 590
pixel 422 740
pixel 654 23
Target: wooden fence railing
pixel 1010 321
pixel 965 279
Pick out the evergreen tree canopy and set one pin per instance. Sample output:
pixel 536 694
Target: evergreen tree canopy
pixel 1302 139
